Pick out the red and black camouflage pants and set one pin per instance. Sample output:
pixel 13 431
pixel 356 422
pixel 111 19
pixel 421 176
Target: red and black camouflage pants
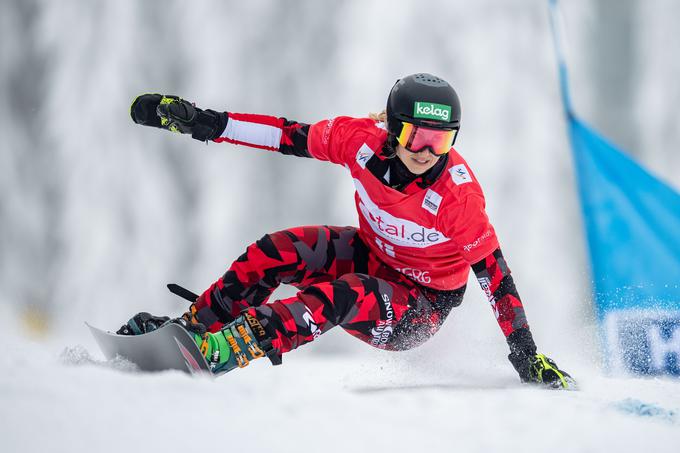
pixel 341 284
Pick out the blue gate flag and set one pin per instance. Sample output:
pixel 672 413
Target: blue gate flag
pixel 632 223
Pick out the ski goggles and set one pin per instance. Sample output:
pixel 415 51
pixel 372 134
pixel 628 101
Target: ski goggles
pixel 418 138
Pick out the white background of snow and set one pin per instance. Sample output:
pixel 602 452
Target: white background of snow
pixel 376 401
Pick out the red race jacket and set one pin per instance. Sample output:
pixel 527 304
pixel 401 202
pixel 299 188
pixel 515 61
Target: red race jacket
pixel 432 235
pixel 431 232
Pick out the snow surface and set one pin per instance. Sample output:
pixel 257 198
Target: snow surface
pixel 61 396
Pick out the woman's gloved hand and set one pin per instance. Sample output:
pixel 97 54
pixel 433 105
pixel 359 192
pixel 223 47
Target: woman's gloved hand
pixel 535 368
pixel 174 114
pixel 540 369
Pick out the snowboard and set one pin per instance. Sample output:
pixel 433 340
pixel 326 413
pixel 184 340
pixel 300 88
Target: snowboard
pixel 167 348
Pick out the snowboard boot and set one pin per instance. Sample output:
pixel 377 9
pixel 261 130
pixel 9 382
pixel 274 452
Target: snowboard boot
pixel 142 323
pixel 235 345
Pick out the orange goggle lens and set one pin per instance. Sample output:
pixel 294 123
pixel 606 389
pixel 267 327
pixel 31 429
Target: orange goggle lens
pixel 418 138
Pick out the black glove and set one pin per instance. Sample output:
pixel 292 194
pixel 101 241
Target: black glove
pixel 177 115
pixel 535 368
pixel 142 323
pixel 542 370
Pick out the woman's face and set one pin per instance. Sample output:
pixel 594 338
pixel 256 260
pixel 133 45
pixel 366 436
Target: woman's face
pixel 417 163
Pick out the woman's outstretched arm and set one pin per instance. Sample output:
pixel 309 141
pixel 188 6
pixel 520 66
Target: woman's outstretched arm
pixel 257 131
pixel 266 132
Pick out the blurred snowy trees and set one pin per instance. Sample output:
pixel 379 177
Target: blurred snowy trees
pixel 97 214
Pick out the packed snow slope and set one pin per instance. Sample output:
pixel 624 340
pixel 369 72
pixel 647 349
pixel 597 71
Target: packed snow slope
pixel 61 396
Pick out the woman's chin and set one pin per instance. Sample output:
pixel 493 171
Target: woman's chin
pixel 418 167
pixel 416 163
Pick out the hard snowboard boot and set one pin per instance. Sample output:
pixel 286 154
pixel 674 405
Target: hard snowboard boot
pixel 235 345
pixel 142 323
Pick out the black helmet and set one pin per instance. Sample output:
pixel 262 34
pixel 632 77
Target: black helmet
pixel 423 100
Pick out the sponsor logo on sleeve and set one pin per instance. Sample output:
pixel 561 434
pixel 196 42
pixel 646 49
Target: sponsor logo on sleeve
pixel 478 241
pixel 327 131
pixel 485 283
pixel 432 111
pixel 460 174
pixel 364 155
pixel 432 201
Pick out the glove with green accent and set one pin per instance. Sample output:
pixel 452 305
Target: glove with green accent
pixel 535 368
pixel 539 369
pixel 174 114
pixel 542 370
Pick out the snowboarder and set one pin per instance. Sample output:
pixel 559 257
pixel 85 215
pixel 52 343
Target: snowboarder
pixel 392 281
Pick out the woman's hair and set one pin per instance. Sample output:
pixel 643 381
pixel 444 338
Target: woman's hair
pixel 382 116
pixel 390 146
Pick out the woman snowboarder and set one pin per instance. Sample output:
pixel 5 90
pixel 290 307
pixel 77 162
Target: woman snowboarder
pixel 392 281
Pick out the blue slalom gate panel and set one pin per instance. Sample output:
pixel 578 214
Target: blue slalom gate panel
pixel 632 223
